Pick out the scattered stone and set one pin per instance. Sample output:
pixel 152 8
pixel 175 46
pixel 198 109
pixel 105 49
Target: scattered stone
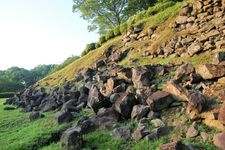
pixel 177 145
pixel 194 48
pixel 157 123
pixel 192 132
pixel 125 103
pixel 204 136
pixel 64 117
pixel 36 115
pixel 178 92
pixel 123 132
pixel 221 116
pixel 141 132
pixel 9 108
pixel 159 100
pixel 218 58
pixel 139 111
pixel 72 139
pixel 184 70
pixel 219 139
pixel 96 100
pixel 210 71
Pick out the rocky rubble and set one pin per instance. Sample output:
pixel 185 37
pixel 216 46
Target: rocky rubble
pixel 116 93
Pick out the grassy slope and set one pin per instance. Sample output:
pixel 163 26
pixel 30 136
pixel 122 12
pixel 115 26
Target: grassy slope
pixel 69 71
pixel 162 20
pixel 17 132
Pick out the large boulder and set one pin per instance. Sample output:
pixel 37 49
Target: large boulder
pixel 210 71
pixel 110 85
pixel 64 117
pixel 96 100
pixel 197 103
pixel 178 92
pixel 122 132
pixel 194 48
pixel 218 140
pixel 183 71
pixel 125 103
pixel 141 77
pixel 139 111
pixel 177 145
pixel 159 100
pixel 221 116
pixel 72 139
pixel 36 115
pixel 219 57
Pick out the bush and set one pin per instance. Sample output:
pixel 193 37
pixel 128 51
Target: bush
pixel 97 45
pixel 109 35
pixel 102 40
pixel 123 28
pixel 89 47
pixel 140 16
pixel 6 94
pixel 159 7
pixel 116 31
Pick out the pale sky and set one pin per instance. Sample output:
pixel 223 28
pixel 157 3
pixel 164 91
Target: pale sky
pixel 34 32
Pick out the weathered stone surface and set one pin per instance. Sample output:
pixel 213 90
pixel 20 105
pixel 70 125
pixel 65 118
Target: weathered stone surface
pixel 192 132
pixel 72 139
pixel 122 132
pixel 141 132
pixel 139 111
pixel 64 117
pixel 219 139
pixel 221 116
pixel 141 77
pixel 157 123
pixel 35 115
pixel 177 145
pixel 197 103
pixel 194 48
pixel 210 71
pixel 178 92
pixel 218 58
pixel 125 103
pixel 181 20
pixel 159 100
pixel 96 100
pixel 183 71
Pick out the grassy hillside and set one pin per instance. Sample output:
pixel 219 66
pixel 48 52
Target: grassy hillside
pixel 162 19
pixel 17 132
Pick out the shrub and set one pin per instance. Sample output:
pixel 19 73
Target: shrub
pixel 97 45
pixel 6 94
pixel 89 47
pixel 109 35
pixel 123 28
pixel 116 31
pixel 102 40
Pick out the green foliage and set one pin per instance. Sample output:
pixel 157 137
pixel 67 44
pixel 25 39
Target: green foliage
pixel 89 47
pixel 116 31
pixel 53 146
pixel 68 61
pixel 6 94
pixel 109 35
pixel 15 79
pixel 17 132
pixel 123 28
pixel 200 145
pixel 104 15
pixel 102 40
pixel 97 45
pixel 159 7
pixel 101 140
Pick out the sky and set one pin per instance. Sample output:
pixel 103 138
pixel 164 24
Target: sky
pixel 34 32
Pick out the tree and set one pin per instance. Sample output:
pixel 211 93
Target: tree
pixel 102 14
pixel 106 14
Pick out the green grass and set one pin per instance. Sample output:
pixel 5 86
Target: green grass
pixel 53 146
pixel 18 133
pixel 101 140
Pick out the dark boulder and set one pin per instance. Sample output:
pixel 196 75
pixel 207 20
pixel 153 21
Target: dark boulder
pixel 36 115
pixel 139 111
pixel 72 139
pixel 141 77
pixel 64 117
pixel 159 100
pixel 122 132
pixel 125 103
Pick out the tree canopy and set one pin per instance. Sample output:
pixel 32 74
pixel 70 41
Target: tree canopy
pixel 105 14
